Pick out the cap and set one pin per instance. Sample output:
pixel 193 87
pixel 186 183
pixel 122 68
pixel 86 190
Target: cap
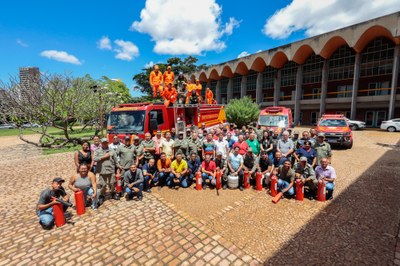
pixel 303 159
pixel 168 67
pixel 180 73
pixel 104 140
pixel 270 130
pixel 250 149
pixel 156 67
pixel 180 132
pixel 219 153
pixel 58 180
pixel 127 138
pixel 321 135
pixel 135 138
pixel 188 129
pixel 296 132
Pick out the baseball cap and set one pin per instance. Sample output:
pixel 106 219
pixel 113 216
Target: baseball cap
pixel 168 67
pixel 250 149
pixel 219 153
pixel 104 140
pixel 135 138
pixel 296 132
pixel 321 135
pixel 180 132
pixel 303 159
pixel 127 138
pixel 188 130
pixel 58 180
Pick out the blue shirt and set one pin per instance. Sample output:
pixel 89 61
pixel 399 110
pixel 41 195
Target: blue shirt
pixel 280 162
pixel 235 161
pixel 310 155
pixel 194 165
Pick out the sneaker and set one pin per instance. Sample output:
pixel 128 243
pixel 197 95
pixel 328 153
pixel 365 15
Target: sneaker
pixel 116 197
pixel 101 200
pixel 140 198
pixel 148 190
pixel 205 187
pixel 241 188
pixel 224 187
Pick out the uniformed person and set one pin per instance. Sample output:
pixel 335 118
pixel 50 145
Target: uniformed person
pixel 322 148
pixel 138 151
pixel 195 145
pixel 306 173
pixel 149 148
pixel 181 145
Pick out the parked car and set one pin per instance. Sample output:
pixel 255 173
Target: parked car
pixel 336 129
pixel 391 125
pixel 29 125
pixel 355 124
pixel 7 126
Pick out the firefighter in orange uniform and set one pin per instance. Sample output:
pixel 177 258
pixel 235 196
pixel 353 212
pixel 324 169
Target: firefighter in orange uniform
pixel 198 87
pixel 168 76
pixel 156 79
pixel 169 94
pixel 209 96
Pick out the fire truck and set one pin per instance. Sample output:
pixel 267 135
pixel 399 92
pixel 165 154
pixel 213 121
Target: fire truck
pixel 139 118
pixel 276 117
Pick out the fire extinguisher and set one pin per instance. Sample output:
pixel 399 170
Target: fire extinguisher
pixel 274 186
pixel 259 181
pixel 246 181
pixel 299 189
pixel 218 182
pixel 58 213
pixel 321 194
pixel 118 183
pixel 199 181
pixel 79 202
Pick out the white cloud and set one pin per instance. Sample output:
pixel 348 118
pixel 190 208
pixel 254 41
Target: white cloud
pixel 22 43
pixel 243 54
pixel 316 16
pixel 184 27
pixel 126 50
pixel 61 56
pixel 149 64
pixel 104 43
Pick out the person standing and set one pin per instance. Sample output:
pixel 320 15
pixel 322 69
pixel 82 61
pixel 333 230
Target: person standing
pixel 84 156
pixel 168 76
pixel 286 146
pixel 156 80
pixel 106 165
pixel 222 146
pixel 167 146
pixel 322 148
pixel 254 144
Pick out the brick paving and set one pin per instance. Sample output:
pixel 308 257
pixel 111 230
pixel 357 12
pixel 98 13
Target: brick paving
pixel 150 232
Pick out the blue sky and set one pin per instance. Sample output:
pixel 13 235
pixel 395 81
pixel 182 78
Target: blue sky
pixel 64 36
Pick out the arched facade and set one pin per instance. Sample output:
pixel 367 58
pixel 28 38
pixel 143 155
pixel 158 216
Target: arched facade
pixel 343 71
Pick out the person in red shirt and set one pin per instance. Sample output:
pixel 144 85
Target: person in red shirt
pixel 208 168
pixel 242 144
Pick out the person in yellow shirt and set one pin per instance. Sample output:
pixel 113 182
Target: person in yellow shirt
pixel 209 96
pixel 179 168
pixel 198 87
pixel 156 79
pixel 168 76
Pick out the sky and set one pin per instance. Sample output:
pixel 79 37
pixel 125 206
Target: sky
pixel 119 38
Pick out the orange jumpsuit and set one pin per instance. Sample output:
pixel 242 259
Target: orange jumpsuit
pixel 168 77
pixel 189 94
pixel 169 95
pixel 209 96
pixel 198 87
pixel 155 81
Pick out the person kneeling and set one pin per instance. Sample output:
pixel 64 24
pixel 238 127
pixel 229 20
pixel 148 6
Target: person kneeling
pixel 85 181
pixel 306 173
pixel 47 199
pixel 179 169
pixel 208 171
pixel 286 176
pixel 134 182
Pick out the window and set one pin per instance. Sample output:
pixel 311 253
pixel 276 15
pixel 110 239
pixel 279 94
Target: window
pixel 213 86
pixel 237 84
pixel 252 81
pixel 224 85
pixel 316 93
pixel 378 88
pixel 344 91
pixel 268 78
pixel 377 58
pixel 312 69
pixel 288 74
pixel 341 64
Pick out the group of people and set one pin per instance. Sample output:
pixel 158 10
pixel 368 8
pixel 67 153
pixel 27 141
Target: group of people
pixel 179 90
pixel 172 159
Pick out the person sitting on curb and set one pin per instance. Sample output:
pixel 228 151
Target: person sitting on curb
pixel 85 181
pixel 286 177
pixel 306 173
pixel 327 173
pixel 47 199
pixel 208 171
pixel 134 182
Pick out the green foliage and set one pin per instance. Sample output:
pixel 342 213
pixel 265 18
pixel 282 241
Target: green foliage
pixel 242 111
pixel 187 66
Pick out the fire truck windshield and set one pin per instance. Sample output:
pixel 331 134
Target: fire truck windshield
pixel 126 122
pixel 273 121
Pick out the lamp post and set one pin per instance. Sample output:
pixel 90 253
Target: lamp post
pixel 95 89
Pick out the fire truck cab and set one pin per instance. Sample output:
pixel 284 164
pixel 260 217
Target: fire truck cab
pixel 276 117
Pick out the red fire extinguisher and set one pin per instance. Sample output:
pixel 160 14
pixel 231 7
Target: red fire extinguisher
pixel 79 202
pixel 246 181
pixel 299 189
pixel 118 183
pixel 274 186
pixel 259 181
pixel 218 182
pixel 321 194
pixel 58 213
pixel 199 181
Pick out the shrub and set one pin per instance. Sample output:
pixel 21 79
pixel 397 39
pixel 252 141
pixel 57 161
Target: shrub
pixel 242 111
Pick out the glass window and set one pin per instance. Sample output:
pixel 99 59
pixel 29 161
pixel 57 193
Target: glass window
pixel 341 64
pixel 312 69
pixel 224 85
pixel 252 80
pixel 126 121
pixel 237 84
pixel 268 77
pixel 377 58
pixel 288 74
pixel 344 91
pixel 213 86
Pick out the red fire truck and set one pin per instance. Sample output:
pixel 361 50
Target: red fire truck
pixel 276 117
pixel 139 118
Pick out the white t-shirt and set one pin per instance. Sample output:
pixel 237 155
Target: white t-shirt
pixel 221 146
pixel 167 147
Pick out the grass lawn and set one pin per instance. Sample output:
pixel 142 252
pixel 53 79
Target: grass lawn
pixel 26 131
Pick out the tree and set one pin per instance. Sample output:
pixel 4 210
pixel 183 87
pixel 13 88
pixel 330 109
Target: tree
pixel 187 66
pixel 242 111
pixel 60 101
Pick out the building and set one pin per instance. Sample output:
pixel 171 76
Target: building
pixel 28 80
pixel 354 71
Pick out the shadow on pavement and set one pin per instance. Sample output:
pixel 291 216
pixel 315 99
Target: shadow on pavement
pixel 358 227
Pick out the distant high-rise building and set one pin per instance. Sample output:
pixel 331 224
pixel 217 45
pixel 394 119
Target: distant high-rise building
pixel 27 75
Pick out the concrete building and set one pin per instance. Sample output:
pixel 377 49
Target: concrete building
pixel 27 74
pixel 354 71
